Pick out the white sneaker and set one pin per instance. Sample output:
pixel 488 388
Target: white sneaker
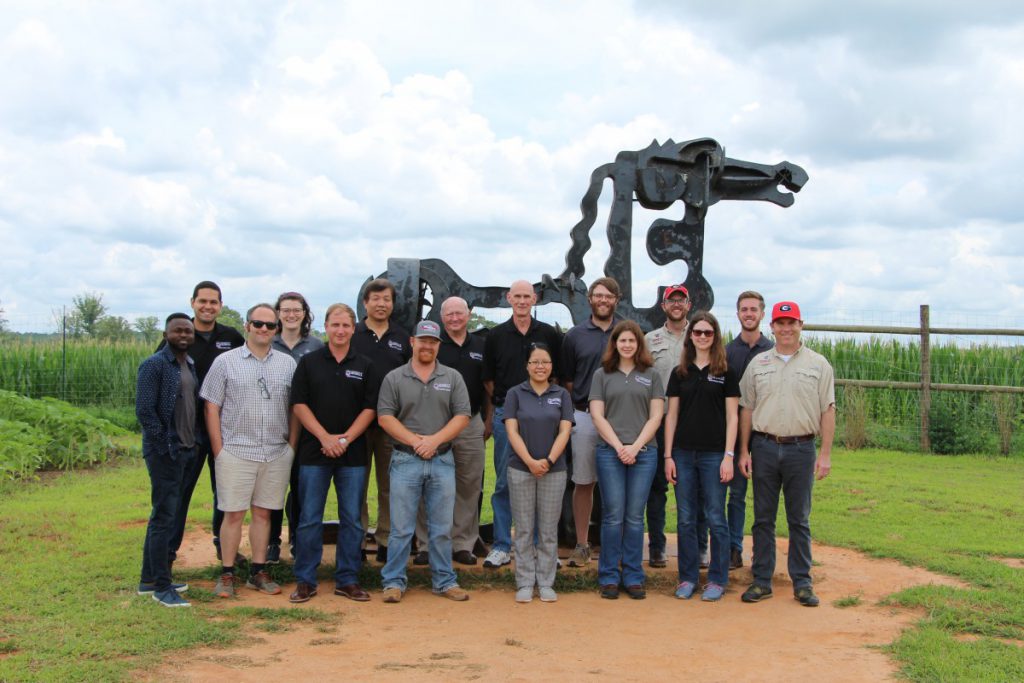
pixel 548 594
pixel 524 594
pixel 497 558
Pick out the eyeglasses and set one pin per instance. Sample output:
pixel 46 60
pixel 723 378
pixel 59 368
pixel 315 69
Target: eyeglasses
pixel 262 384
pixel 703 333
pixel 259 324
pixel 603 297
pixel 539 362
pixel 677 302
pixel 291 311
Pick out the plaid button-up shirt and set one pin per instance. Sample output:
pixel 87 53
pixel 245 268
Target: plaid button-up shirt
pixel 253 396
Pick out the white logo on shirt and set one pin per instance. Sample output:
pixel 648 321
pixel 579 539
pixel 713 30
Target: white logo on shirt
pixel 555 401
pixel 354 374
pixel 226 345
pixel 397 346
pixel 646 381
pixel 716 380
pixel 442 386
pixel 476 356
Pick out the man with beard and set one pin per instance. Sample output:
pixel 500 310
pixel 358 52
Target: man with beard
pixel 423 406
pixel 387 345
pixel 582 349
pixel 739 352
pixel 666 347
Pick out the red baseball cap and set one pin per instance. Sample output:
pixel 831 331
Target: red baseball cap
pixel 786 309
pixel 674 289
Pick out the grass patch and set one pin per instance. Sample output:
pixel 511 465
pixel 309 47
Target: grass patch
pixel 847 601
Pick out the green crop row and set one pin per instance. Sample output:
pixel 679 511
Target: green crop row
pixel 50 434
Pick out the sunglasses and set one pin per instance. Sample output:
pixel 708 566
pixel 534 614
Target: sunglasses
pixel 703 333
pixel 259 325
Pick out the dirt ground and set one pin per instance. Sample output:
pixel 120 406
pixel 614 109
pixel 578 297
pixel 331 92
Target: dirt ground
pixel 581 636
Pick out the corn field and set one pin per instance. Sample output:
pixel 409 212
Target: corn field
pixel 103 374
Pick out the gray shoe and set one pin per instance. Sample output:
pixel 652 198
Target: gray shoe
pixel 548 594
pixel 225 587
pixel 580 556
pixel 262 582
pixel 524 594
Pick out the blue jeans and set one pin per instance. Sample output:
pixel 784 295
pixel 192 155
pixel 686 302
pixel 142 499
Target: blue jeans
pixel 699 469
pixel 789 469
pixel 736 510
pixel 314 483
pixel 434 481
pixel 624 491
pixel 500 503
pixel 166 475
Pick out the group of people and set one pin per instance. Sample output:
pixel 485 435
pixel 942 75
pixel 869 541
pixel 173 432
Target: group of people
pixel 278 415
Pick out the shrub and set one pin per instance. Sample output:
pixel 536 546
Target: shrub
pixel 854 416
pixel 952 427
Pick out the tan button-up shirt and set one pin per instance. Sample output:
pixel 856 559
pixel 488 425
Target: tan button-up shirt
pixel 788 398
pixel 667 349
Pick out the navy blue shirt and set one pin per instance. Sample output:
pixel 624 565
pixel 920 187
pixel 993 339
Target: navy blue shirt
pixel 156 395
pixel 539 418
pixel 336 393
pixel 582 349
pixel 739 354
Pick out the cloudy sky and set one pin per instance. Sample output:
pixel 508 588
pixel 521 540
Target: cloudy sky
pixel 147 145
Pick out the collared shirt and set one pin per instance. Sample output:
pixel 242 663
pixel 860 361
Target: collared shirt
pixel 581 356
pixel 627 399
pixel 158 387
pixel 468 359
pixel 389 351
pixel 788 398
pixel 301 348
pixel 506 351
pixel 336 393
pixel 701 423
pixel 538 419
pixel 666 348
pixel 254 398
pixel 423 407
pixel 739 354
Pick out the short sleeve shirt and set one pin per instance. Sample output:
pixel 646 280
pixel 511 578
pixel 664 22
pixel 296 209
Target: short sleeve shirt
pixel 301 348
pixel 423 407
pixel 253 394
pixel 666 349
pixel 788 398
pixel 627 399
pixel 336 393
pixel 389 351
pixel 468 359
pixel 701 422
pixel 538 419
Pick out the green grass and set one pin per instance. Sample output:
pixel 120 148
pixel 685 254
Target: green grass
pixel 70 554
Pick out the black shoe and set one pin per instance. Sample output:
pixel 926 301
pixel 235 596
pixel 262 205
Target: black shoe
pixel 658 559
pixel 464 557
pixel 636 592
pixel 806 597
pixel 273 554
pixel 610 592
pixel 422 559
pixel 756 593
pixel 735 559
pixel 382 553
pixel 479 549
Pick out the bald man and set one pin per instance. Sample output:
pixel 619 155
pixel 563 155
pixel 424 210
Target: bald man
pixel 505 354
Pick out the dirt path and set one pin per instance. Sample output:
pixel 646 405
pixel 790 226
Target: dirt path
pixel 581 636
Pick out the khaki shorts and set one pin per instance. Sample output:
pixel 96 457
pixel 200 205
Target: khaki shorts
pixel 242 484
pixel 584 449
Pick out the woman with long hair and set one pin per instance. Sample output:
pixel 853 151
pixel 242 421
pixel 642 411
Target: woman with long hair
pixel 700 434
pixel 538 419
pixel 627 401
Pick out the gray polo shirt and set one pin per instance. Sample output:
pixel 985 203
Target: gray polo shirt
pixel 301 348
pixel 253 395
pixel 538 419
pixel 582 349
pixel 627 399
pixel 423 407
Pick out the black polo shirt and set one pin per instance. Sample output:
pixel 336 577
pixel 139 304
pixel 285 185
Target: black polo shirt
pixel 336 393
pixel 468 359
pixel 739 354
pixel 390 351
pixel 581 356
pixel 506 352
pixel 701 423
pixel 538 419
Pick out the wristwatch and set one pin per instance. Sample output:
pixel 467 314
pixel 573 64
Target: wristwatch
pixel 730 454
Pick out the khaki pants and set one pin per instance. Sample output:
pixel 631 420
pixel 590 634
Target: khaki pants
pixel 379 446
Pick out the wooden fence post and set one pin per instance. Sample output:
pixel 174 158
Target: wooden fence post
pixel 926 378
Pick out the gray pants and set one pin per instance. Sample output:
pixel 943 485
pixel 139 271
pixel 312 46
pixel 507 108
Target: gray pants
pixel 536 504
pixel 470 453
pixel 379 447
pixel 789 469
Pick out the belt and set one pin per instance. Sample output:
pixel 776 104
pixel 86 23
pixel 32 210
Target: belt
pixel 409 449
pixel 786 439
pixel 585 407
